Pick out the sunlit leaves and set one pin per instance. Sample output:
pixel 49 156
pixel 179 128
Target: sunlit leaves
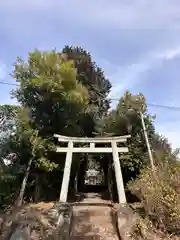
pixel 48 73
pixel 52 99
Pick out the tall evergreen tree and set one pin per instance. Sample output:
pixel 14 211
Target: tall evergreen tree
pixel 92 77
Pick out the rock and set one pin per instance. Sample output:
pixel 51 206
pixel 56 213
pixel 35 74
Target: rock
pixel 53 213
pixel 125 220
pixel 21 234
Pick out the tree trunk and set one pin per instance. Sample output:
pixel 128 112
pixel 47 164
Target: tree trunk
pixel 23 185
pixel 37 188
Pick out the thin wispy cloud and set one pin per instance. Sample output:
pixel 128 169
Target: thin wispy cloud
pixel 128 76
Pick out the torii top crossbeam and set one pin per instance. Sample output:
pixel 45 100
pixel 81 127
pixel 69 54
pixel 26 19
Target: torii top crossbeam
pixel 62 138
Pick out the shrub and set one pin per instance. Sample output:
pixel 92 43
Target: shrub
pixel 142 229
pixel 159 192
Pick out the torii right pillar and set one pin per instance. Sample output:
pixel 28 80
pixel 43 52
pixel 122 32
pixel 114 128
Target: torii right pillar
pixel 118 174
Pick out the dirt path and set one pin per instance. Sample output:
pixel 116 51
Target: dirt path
pixel 93 219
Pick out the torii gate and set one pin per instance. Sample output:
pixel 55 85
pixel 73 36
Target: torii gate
pixel 114 149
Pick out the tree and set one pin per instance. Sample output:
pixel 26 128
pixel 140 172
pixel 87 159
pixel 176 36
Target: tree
pixel 52 101
pixel 10 170
pixel 48 88
pixel 92 77
pixel 50 93
pixel 162 151
pixel 8 115
pixel 59 93
pixel 125 119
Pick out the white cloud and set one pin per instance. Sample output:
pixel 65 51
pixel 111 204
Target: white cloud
pixel 128 76
pixel 169 54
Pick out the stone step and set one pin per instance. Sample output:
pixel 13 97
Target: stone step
pixel 93 222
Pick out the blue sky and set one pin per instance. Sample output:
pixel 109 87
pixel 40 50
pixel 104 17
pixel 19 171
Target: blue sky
pixel 136 42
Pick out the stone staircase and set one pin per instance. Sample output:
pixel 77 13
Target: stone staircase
pixel 93 218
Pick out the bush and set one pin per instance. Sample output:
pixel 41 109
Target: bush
pixel 159 192
pixel 142 229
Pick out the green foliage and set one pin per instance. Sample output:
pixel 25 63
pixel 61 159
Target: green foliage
pixel 52 100
pixel 162 152
pixel 66 93
pixel 8 114
pixel 92 77
pixel 58 93
pixel 10 178
pixel 159 193
pixel 125 119
pixel 12 155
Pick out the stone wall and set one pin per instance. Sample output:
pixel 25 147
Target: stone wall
pixel 30 223
pixel 63 217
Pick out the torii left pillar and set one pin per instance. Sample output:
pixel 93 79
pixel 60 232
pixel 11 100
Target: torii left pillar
pixel 66 175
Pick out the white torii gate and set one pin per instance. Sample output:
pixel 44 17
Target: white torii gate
pixel 114 149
